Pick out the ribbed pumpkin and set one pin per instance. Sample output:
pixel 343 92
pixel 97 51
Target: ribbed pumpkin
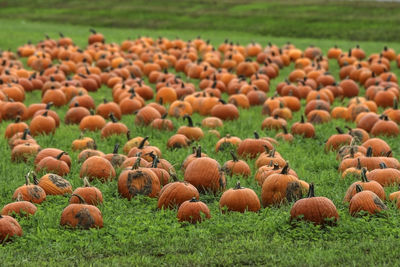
pixel 30 192
pixel 9 227
pixel 97 168
pixel 367 185
pixel 239 199
pixel 55 185
pixel 174 194
pixel 90 194
pixel 20 207
pixel 318 210
pixel 193 211
pixel 365 200
pixel 236 167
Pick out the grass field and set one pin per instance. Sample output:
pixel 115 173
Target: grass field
pixel 351 20
pixel 135 232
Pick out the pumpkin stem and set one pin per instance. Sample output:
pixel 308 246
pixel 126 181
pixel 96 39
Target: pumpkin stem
pixel 369 152
pixel 222 101
pixel 17 119
pixel 86 182
pixel 311 191
pixel 285 131
pixel 364 175
pixel 198 152
pixel 81 200
pixel 194 199
pixel 137 163
pixel 339 130
pixel 155 162
pixel 395 103
pixel 141 145
pixel 359 188
pixel 238 185
pixel 58 157
pixel 285 169
pixel 234 157
pixel 45 114
pixel 190 121
pixel 267 150
pixel 25 134
pixel 358 164
pixel 112 117
pixel 388 154
pixel 19 197
pixel 276 166
pixel 116 147
pixel 256 136
pixel 128 135
pixel 164 116
pixel 302 119
pixel 48 105
pixel 382 165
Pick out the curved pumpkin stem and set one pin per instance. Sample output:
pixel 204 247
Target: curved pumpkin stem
pixel 92 31
pixel 285 131
pixel 45 114
pixel 256 136
pixel 359 188
pixel 285 169
pixel 141 145
pixel 190 121
pixel 86 182
pixel 48 105
pixel 339 130
pixel 155 162
pixel 302 119
pixel 174 176
pixel 137 163
pixel 112 117
pixel 234 157
pixel 311 192
pixel 116 147
pixel 81 200
pixel 388 154
pixel 17 119
pixel 364 175
pixel 58 157
pixel 222 101
pixel 272 153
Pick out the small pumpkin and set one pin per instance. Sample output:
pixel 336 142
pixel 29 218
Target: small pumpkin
pixel 54 184
pixel 174 194
pixel 90 194
pixel 318 210
pixel 236 167
pixel 20 207
pixel 30 192
pixel 372 186
pixel 239 199
pixel 97 168
pixel 193 211
pixel 191 132
pixel 9 228
pixel 365 200
pixel 81 215
pixel 53 164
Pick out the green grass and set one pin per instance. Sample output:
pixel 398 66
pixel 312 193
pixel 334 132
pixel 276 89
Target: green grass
pixel 350 20
pixel 136 233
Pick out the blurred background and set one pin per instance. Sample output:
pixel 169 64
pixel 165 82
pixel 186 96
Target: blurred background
pixel 347 20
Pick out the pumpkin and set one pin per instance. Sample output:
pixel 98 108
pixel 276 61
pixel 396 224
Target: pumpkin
pixel 92 123
pixel 20 207
pixel 146 115
pixel 252 147
pixel 106 108
pixel 193 211
pixel 42 124
pixel 338 140
pixel 212 122
pixel 174 194
pixel 53 184
pixel 138 181
pixel 97 168
pixel 113 128
pixel 162 124
pixel 280 187
pixel 239 199
pixel 162 175
pixel 270 156
pixel 225 111
pixel 52 152
pixel 379 147
pixel 87 153
pixel 114 158
pixel 83 143
pixel 191 132
pixel 205 174
pixel 372 186
pixel 384 176
pixel 24 152
pixel 90 194
pixel 15 127
pixel 236 167
pixel 318 210
pixel 81 215
pixel 30 192
pixel 303 128
pixel 178 141
pixel 385 127
pixel 365 200
pixel 53 164
pixel 133 142
pixel 227 142
pixel 9 228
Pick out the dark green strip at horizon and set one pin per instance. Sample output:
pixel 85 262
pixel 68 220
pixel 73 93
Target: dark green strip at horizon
pixel 349 20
